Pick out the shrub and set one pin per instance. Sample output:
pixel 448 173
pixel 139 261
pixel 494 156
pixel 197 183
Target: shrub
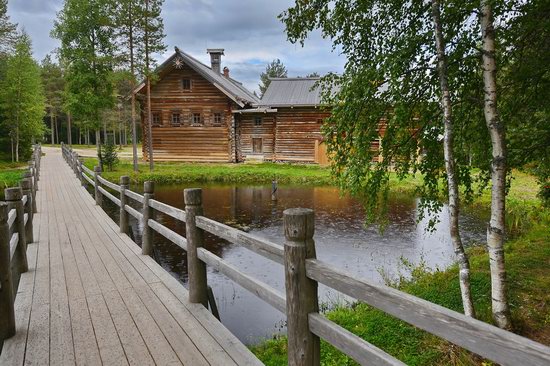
pixel 109 156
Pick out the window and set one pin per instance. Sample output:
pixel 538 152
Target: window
pixel 156 118
pixel 197 120
pixel 257 121
pixel 186 84
pixel 176 119
pixel 257 145
pixel 218 118
pixel 320 121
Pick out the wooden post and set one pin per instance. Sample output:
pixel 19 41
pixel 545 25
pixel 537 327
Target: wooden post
pixel 301 292
pixel 274 190
pixel 29 175
pixel 13 197
pixel 7 311
pixel 147 237
pixel 124 223
pixel 97 193
pixel 198 285
pixel 25 185
pixel 81 171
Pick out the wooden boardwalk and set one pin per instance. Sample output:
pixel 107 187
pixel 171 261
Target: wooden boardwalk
pixel 91 298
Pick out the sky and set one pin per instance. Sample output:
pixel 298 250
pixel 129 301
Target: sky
pixel 248 30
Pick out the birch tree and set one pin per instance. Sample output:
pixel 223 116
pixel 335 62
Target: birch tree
pixel 496 127
pixel 448 147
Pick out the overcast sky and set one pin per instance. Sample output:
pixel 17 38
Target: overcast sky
pixel 248 30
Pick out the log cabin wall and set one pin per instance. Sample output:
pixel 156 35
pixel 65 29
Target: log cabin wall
pixel 256 136
pixel 296 131
pixel 189 125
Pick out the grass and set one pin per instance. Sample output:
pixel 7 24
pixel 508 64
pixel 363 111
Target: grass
pixel 10 174
pixel 174 173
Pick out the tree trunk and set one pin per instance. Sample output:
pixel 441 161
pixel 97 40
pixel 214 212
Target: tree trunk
pixel 149 126
pixel 132 70
pixel 448 145
pixel 98 148
pixel 17 144
pixel 52 128
pixel 80 136
pixel 496 229
pixel 12 149
pixel 56 129
pixel 69 132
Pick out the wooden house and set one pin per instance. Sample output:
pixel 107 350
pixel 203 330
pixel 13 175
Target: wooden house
pixel 201 114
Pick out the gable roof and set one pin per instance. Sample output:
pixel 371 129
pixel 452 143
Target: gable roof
pixel 230 87
pixel 292 92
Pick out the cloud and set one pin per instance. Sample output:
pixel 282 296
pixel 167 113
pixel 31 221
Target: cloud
pixel 248 30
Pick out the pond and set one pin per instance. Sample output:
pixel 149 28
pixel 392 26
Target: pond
pixel 340 236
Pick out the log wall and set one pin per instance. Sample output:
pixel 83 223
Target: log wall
pixel 247 131
pixel 188 140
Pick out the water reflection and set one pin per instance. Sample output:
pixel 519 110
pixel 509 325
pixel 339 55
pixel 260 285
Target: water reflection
pixel 341 239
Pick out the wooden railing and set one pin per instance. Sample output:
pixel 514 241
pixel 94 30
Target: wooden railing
pixel 16 231
pixel 303 272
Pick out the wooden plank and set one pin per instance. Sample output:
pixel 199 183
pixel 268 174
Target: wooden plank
pixel 135 196
pixel 135 213
pixel 258 245
pixel 105 193
pixel 484 339
pixel 360 350
pixel 258 288
pixel 105 182
pixel 174 237
pixel 168 210
pixel 12 215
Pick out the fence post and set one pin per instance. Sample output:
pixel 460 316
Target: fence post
pixel 198 286
pixel 25 185
pixel 81 171
pixel 301 292
pixel 147 237
pixel 97 193
pixel 29 175
pixel 7 311
pixel 124 224
pixel 13 197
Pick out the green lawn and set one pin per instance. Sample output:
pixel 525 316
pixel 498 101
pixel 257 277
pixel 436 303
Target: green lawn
pixel 10 174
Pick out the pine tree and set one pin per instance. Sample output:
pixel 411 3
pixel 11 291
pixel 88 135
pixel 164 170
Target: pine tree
pixel 8 34
pixel 153 42
pixel 275 69
pixel 53 82
pixel 22 99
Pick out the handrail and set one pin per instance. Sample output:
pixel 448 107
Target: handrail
pixel 88 179
pixel 484 339
pixel 258 288
pixel 135 196
pixel 258 245
pixel 302 274
pixel 13 245
pixel 174 237
pixel 176 213
pixel 105 182
pixel 105 193
pixel 16 232
pixel 87 170
pixel 12 215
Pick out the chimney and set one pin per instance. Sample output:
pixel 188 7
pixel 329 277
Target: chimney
pixel 215 58
pixel 226 72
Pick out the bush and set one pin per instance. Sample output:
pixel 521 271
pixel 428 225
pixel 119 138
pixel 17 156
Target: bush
pixel 109 156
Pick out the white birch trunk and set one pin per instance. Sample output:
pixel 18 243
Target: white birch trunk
pixel 496 229
pixel 454 199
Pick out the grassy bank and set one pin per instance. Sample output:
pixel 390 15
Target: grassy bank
pixel 528 269
pixel 10 175
pixel 173 173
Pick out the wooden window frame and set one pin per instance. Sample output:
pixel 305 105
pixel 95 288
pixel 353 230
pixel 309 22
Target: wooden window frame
pixel 183 80
pixel 156 114
pixel 178 123
pixel 258 121
pixel 217 123
pixel 201 120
